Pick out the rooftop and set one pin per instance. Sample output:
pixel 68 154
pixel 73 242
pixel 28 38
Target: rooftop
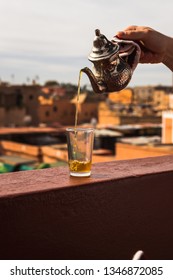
pixel 29 130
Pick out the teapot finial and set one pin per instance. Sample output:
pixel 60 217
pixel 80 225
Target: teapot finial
pixel 102 47
pixel 97 32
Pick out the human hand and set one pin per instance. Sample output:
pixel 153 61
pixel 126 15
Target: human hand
pixel 154 45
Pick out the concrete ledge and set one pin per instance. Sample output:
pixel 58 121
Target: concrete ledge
pixel 123 207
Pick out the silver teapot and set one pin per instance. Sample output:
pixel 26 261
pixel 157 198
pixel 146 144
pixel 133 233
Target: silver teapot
pixel 111 72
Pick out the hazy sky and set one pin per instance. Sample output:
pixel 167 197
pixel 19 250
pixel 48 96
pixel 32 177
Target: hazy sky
pixel 52 38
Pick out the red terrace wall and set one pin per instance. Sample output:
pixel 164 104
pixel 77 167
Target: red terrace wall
pixel 123 207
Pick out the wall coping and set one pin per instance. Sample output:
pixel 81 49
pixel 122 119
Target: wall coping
pixel 125 206
pixel 35 181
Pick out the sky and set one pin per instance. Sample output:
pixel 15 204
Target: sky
pixel 51 39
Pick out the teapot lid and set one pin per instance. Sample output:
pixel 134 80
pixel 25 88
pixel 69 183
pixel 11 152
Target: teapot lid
pixel 102 47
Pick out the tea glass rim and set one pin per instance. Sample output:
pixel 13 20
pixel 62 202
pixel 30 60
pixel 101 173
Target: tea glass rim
pixel 88 129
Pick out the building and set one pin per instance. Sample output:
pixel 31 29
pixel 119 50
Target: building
pixel 167 127
pixel 60 112
pixel 34 105
pixel 13 116
pixel 12 109
pixel 143 95
pixel 125 96
pixel 17 102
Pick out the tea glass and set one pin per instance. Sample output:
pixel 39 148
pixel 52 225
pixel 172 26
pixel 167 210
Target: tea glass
pixel 80 147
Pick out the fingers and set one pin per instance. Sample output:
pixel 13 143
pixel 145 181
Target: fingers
pixel 131 28
pixel 133 32
pixel 129 34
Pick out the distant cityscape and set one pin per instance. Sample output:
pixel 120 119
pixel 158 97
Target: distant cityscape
pixel 33 119
pixel 55 105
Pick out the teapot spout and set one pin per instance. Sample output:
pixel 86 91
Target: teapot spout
pixel 98 86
